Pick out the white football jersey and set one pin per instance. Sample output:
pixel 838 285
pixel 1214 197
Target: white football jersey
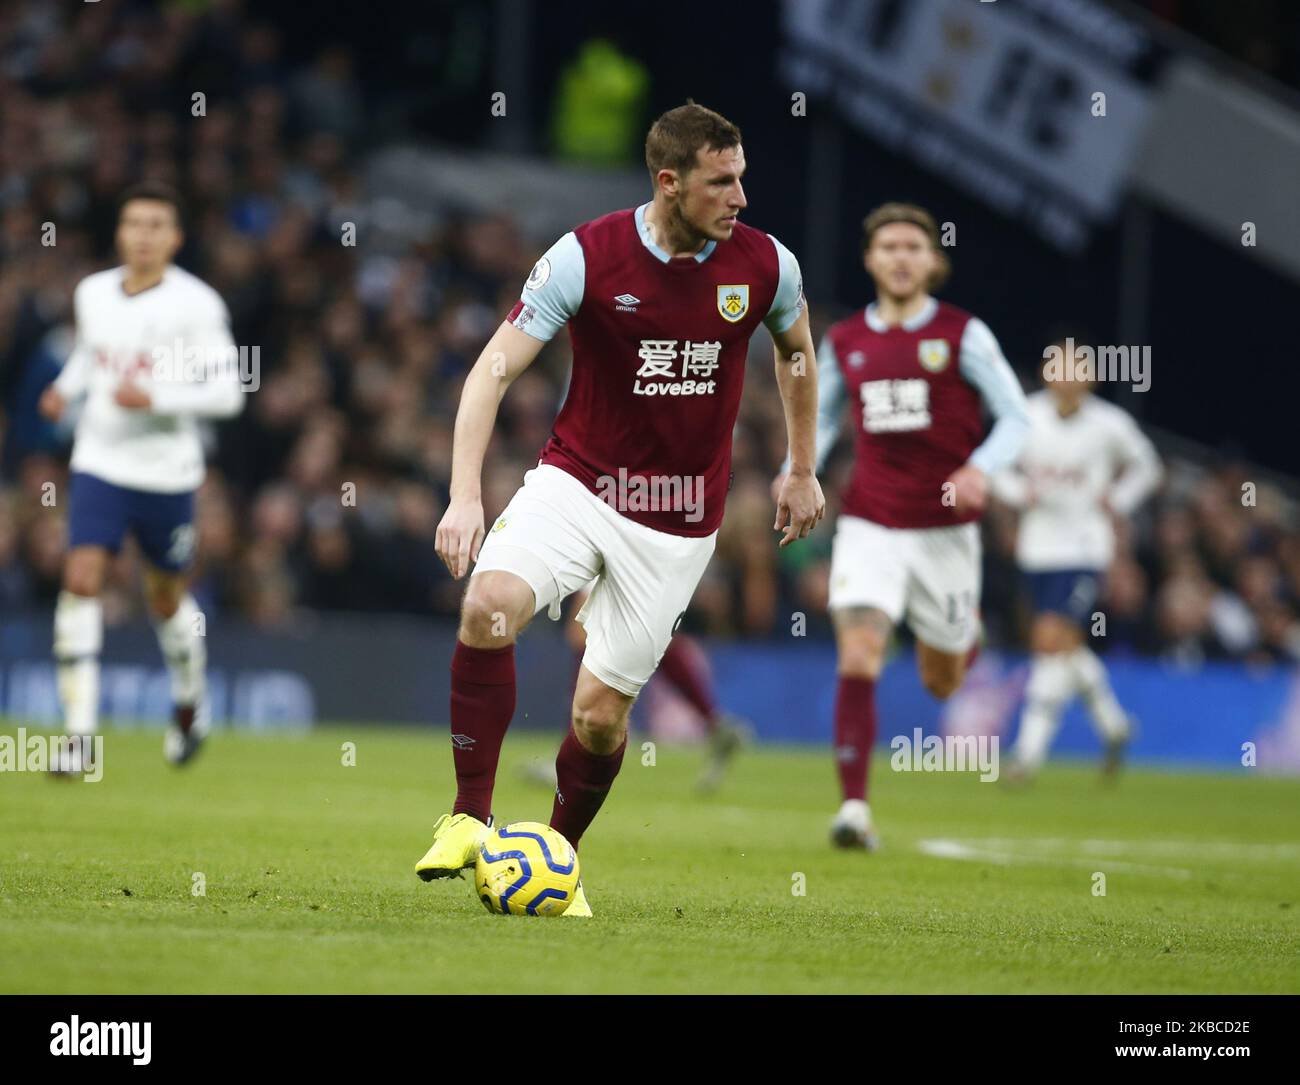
pixel 174 341
pixel 1067 466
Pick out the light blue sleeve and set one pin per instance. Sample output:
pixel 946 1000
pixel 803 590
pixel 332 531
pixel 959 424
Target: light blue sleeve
pixel 553 290
pixel 830 403
pixel 788 302
pixel 984 367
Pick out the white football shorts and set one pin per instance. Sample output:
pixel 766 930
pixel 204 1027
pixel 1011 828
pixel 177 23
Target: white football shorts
pixel 560 537
pixel 931 575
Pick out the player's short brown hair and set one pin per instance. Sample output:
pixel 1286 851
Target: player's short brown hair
pixel 677 135
pixel 152 190
pixel 889 213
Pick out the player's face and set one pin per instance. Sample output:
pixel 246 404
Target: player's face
pixel 148 234
pixel 711 195
pixel 900 260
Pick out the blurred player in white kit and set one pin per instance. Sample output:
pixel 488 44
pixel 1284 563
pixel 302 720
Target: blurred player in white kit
pixel 1084 462
pixel 153 354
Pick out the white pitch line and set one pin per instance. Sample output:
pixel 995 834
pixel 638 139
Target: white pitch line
pixel 1190 849
pixel 957 849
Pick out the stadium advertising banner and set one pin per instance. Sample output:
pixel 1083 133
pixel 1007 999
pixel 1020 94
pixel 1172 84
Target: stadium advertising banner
pixel 330 668
pixel 382 670
pixel 1034 106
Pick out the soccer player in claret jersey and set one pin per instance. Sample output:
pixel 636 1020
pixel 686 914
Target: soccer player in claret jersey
pixel 1085 462
pixel 684 668
pixel 661 301
pixel 916 371
pixel 153 354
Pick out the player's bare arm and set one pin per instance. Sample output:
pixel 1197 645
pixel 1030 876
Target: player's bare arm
pixel 799 502
pixel 507 354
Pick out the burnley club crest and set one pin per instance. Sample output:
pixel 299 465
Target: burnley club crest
pixel 733 302
pixel 933 354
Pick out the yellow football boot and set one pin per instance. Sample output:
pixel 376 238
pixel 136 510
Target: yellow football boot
pixel 579 908
pixel 456 840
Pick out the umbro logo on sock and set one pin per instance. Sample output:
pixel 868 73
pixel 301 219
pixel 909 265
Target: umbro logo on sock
pixel 463 742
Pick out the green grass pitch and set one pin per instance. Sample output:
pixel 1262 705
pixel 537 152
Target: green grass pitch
pixel 307 866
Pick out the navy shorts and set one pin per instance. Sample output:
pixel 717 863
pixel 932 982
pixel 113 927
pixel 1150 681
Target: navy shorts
pixel 101 514
pixel 1071 592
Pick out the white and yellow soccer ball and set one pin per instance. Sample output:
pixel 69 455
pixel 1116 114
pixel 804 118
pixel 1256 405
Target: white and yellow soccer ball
pixel 526 868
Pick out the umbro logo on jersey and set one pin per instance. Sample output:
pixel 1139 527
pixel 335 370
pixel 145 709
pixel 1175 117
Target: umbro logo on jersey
pixel 857 359
pixel 627 303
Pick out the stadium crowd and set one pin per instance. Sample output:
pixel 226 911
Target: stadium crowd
pixel 326 491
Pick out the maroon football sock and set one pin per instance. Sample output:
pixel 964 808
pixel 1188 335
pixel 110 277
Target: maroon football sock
pixel 482 703
pixel 855 733
pixel 583 780
pixel 682 667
